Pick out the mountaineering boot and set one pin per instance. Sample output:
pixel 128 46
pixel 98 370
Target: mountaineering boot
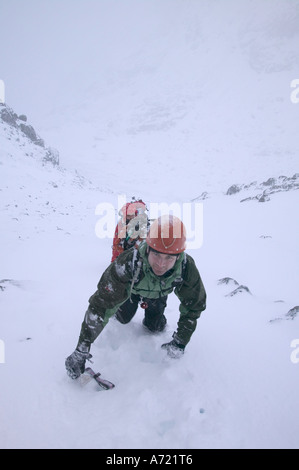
pixel 155 323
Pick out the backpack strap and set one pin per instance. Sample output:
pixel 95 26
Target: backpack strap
pixel 136 268
pixel 178 282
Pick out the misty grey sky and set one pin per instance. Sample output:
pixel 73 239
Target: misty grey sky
pixel 170 74
pixel 50 48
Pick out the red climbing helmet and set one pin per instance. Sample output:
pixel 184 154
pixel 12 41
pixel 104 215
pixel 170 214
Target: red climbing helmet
pixel 167 234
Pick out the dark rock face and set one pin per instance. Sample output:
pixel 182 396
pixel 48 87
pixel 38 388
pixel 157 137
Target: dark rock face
pixel 19 123
pixel 265 189
pixel 229 281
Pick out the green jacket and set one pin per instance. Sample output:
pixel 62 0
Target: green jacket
pixel 131 273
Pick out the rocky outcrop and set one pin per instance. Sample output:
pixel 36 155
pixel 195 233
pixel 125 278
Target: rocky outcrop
pixel 229 281
pixel 290 315
pixel 6 282
pixel 265 189
pixel 19 123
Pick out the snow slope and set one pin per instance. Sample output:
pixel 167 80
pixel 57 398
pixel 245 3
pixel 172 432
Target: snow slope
pixel 198 103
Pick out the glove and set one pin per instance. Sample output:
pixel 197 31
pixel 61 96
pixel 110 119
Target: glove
pixel 174 349
pixel 75 363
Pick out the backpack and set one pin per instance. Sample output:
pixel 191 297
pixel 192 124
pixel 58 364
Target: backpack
pixel 131 228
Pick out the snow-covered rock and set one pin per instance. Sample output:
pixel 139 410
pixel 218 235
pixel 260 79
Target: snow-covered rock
pixel 266 188
pixel 15 128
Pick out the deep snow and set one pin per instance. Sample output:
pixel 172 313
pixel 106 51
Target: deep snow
pixel 162 100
